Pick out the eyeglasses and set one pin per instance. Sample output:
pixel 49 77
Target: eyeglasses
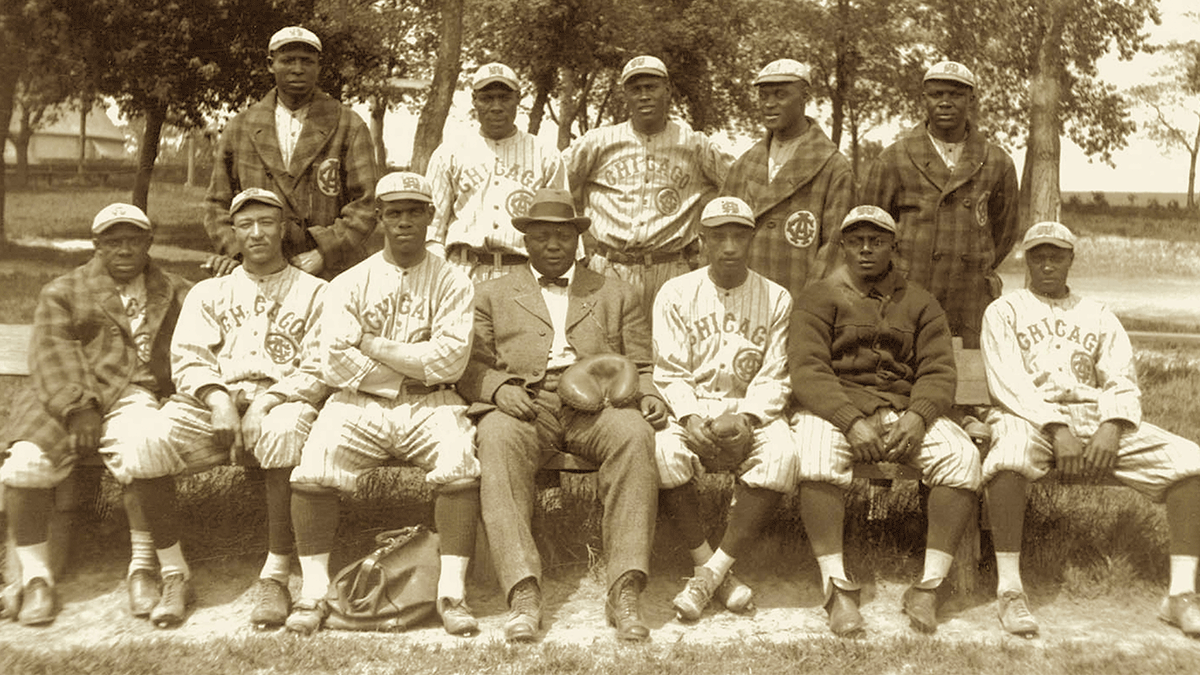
pixel 867 242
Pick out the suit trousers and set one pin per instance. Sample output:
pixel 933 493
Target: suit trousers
pixel 618 440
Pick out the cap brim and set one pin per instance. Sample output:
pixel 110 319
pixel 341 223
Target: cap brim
pixel 950 78
pixel 778 79
pixel 495 80
pixel 581 223
pixel 642 71
pixel 398 196
pixel 117 221
pixel 731 220
pixel 868 221
pixel 1053 241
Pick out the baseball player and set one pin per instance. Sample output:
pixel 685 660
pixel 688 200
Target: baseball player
pixel 313 152
pixel 720 337
pixel 248 385
pixel 100 362
pixel 396 334
pixel 643 183
pixel 954 195
pixel 873 370
pixel 1060 368
pixel 482 181
pixel 798 184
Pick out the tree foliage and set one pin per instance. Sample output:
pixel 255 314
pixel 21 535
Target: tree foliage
pixel 1174 96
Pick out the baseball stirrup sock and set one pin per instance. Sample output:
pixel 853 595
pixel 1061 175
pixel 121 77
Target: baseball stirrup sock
pixel 35 562
pixel 456 515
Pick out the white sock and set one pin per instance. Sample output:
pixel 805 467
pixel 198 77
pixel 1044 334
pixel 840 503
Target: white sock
pixel 1183 574
pixel 1008 569
pixel 35 562
pixel 937 565
pixel 701 554
pixel 142 555
pixel 832 567
pixel 452 582
pixel 315 569
pixel 277 567
pixel 719 563
pixel 171 561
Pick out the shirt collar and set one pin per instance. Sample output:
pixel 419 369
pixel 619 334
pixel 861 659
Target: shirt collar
pixel 886 286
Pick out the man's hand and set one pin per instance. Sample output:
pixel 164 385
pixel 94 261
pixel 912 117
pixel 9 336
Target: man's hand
pixel 366 345
pixel 252 423
pixel 1100 455
pixel 514 401
pixel 655 412
pixel 83 431
pixel 865 442
pixel 905 436
pixel 219 265
pixel 1068 450
pixel 309 261
pixel 700 436
pixel 227 426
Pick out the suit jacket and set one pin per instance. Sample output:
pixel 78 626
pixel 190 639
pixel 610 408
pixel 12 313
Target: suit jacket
pixel 328 192
pixel 513 331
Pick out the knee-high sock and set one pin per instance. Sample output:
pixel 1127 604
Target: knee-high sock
pixel 29 514
pixel 823 510
pixel 751 509
pixel 681 505
pixel 315 517
pixel 456 515
pixel 950 509
pixel 280 540
pixel 1183 522
pixel 155 497
pixel 1006 499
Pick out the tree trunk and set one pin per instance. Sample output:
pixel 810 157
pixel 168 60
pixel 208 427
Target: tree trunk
pixel 441 91
pixel 841 76
pixel 190 144
pixel 1194 150
pixel 543 82
pixel 20 141
pixel 84 108
pixel 156 115
pixel 569 107
pixel 1040 196
pixel 12 62
pixel 378 110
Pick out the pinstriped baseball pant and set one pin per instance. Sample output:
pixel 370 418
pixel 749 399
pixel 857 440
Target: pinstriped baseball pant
pixel 773 463
pixel 645 279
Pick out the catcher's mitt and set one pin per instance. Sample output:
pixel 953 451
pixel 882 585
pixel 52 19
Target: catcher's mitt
pixel 735 438
pixel 599 381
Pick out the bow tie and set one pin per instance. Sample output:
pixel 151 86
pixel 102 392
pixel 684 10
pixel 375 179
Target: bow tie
pixel 561 282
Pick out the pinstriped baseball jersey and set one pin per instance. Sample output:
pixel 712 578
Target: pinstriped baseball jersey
pixel 242 328
pixel 423 314
pixel 644 193
pixel 479 185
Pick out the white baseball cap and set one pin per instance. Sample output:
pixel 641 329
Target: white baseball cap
pixel 285 36
pixel 254 195
pixel 724 210
pixel 950 70
pixel 1048 232
pixel 403 185
pixel 119 213
pixel 643 65
pixel 494 72
pixel 783 70
pixel 869 214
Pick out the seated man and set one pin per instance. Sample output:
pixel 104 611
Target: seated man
pixel 1060 368
pixel 528 329
pixel 242 358
pixel 873 370
pixel 100 363
pixel 720 337
pixel 396 334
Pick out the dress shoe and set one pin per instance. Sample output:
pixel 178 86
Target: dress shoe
pixel 736 596
pixel 1015 617
pixel 1181 610
pixel 920 604
pixel 143 592
pixel 39 603
pixel 177 595
pixel 456 617
pixel 622 608
pixel 307 616
pixel 689 604
pixel 272 603
pixel 842 608
pixel 10 601
pixel 525 612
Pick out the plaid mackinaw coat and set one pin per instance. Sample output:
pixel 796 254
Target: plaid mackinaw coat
pixel 328 192
pixel 82 353
pixel 798 213
pixel 955 228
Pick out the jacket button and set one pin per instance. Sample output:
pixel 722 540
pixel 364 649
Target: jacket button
pixel 967 203
pixel 771 224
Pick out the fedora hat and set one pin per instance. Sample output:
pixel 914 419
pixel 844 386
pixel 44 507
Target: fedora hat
pixel 552 205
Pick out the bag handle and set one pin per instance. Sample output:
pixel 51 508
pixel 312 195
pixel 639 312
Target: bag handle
pixel 386 542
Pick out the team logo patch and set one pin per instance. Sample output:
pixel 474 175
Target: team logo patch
pixel 801 229
pixel 1084 369
pixel 420 335
pixel 328 178
pixel 667 200
pixel 518 203
pixel 981 211
pixel 280 347
pixel 746 364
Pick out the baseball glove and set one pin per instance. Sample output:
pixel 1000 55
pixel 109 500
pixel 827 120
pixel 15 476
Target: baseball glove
pixel 735 438
pixel 599 381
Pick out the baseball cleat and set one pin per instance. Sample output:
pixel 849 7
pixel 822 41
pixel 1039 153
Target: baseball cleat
pixel 1183 611
pixel 456 617
pixel 307 616
pixel 695 596
pixel 736 596
pixel 920 604
pixel 39 603
pixel 1015 617
pixel 622 608
pixel 144 593
pixel 177 595
pixel 272 602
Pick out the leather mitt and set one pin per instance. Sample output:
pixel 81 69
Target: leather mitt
pixel 596 382
pixel 735 438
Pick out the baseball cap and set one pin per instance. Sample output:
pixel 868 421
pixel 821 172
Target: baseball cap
pixel 727 210
pixel 643 65
pixel 254 195
pixel 552 205
pixel 950 70
pixel 1048 232
pixel 869 214
pixel 292 34
pixel 119 213
pixel 783 70
pixel 494 72
pixel 403 185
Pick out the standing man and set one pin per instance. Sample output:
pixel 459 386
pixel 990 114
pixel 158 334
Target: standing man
pixel 795 180
pixel 873 370
pixel 529 327
pixel 100 362
pixel 1061 369
pixel 248 386
pixel 307 148
pixel 396 334
pixel 643 183
pixel 482 181
pixel 720 341
pixel 954 196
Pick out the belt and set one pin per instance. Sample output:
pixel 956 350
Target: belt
pixel 472 256
pixel 630 258
pixel 417 388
